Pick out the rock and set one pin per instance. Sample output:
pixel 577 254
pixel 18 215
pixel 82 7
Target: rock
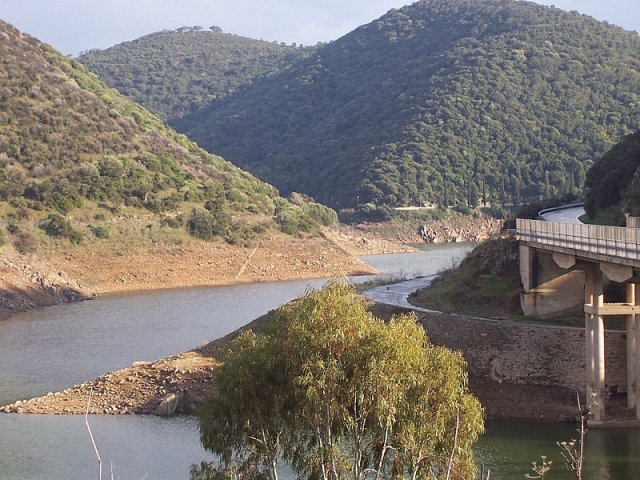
pixel 168 405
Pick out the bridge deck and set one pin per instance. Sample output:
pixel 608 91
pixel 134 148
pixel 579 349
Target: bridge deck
pixel 591 242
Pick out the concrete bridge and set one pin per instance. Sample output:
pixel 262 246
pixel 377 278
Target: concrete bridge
pixel 564 266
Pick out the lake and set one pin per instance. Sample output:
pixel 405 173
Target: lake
pixel 52 348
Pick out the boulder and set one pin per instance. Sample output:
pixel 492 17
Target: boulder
pixel 168 405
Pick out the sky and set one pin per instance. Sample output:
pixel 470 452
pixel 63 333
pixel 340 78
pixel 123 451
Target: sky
pixel 73 26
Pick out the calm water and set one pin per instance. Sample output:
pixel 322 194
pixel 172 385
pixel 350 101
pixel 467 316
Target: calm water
pixel 56 347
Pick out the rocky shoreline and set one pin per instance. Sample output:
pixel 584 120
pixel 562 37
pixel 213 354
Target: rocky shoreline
pixel 53 277
pixel 170 385
pixel 179 384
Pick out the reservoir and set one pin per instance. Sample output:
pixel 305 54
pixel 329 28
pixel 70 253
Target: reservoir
pixel 53 348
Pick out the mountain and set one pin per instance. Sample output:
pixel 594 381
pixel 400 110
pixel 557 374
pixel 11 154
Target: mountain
pixel 175 72
pixel 77 159
pixel 443 101
pixel 613 183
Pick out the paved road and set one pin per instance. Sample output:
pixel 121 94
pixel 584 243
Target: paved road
pixel 397 293
pixel 570 215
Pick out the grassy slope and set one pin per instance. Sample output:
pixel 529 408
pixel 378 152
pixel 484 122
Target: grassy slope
pixel 108 169
pixel 486 284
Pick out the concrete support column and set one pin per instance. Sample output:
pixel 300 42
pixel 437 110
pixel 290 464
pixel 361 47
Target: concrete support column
pixel 588 329
pixel 598 347
pixel 631 348
pixel 636 357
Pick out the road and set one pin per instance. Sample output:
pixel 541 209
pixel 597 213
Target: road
pixel 569 215
pixel 397 293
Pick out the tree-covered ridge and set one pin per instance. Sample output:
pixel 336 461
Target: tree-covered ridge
pixel 175 72
pixel 612 187
pixel 439 101
pixel 68 141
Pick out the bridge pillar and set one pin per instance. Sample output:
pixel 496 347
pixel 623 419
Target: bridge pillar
pixel 635 386
pixel 588 329
pixel 631 347
pixel 594 340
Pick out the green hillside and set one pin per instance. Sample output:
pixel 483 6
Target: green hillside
pixel 175 72
pixel 444 101
pixel 613 183
pixel 76 157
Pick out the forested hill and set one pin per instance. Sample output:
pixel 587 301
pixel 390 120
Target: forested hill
pixel 76 157
pixel 437 101
pixel 613 183
pixel 174 72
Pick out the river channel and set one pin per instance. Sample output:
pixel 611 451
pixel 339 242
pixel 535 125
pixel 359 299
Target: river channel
pixel 53 348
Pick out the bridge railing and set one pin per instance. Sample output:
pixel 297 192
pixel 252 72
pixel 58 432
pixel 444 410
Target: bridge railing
pixel 597 239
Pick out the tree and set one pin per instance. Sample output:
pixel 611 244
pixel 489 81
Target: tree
pixel 340 394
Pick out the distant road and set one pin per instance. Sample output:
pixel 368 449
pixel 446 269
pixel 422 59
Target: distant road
pixel 569 215
pixel 397 293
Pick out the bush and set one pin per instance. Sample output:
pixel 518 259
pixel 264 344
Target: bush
pixel 58 226
pixel 463 209
pixel 3 238
pixel 205 225
pixel 172 222
pixel 12 228
pixel 99 231
pixel 25 242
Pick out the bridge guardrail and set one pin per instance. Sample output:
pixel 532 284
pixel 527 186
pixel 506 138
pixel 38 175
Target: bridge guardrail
pixel 596 239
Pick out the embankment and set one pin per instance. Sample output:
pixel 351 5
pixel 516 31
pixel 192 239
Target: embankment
pixel 52 277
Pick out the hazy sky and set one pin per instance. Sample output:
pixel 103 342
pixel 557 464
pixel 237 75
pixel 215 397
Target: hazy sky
pixel 75 25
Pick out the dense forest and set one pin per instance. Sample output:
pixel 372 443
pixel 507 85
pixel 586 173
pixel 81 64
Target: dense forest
pixel 75 155
pixel 612 187
pixel 175 72
pixel 443 101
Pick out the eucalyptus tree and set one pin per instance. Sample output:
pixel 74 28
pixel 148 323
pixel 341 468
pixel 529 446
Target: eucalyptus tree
pixel 340 394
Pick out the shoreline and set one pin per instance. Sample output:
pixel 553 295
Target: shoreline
pixel 52 278
pixel 179 383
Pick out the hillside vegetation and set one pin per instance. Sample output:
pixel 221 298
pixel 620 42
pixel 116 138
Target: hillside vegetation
pixel 78 161
pixel 613 183
pixel 175 72
pixel 445 101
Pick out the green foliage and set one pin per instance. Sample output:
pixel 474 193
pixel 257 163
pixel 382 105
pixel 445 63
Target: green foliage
pixel 3 238
pixel 205 225
pixel 302 214
pixel 67 142
pixel 612 185
pixel 443 102
pixel 173 73
pixel 58 226
pixel 99 231
pixel 463 209
pixel 340 394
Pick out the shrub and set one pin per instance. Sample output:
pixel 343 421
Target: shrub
pixel 58 226
pixel 25 242
pixel 12 228
pixel 462 208
pixel 172 222
pixel 204 224
pixel 99 231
